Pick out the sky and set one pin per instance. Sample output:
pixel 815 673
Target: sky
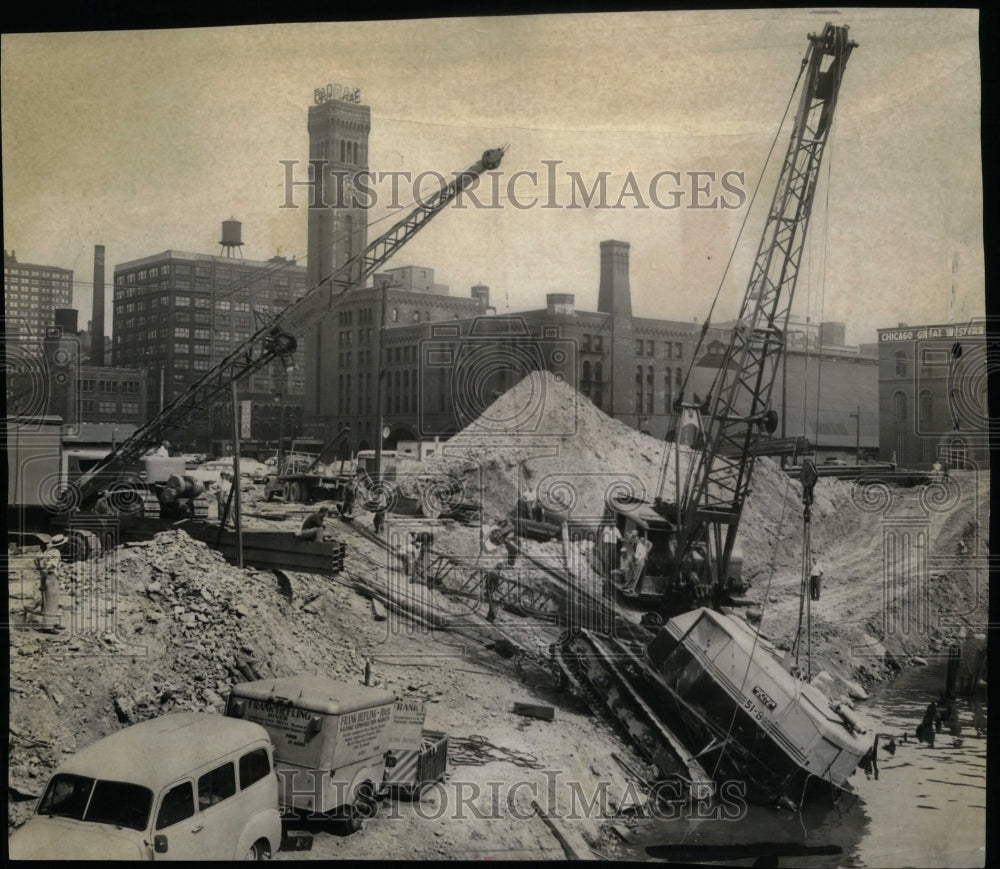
pixel 145 141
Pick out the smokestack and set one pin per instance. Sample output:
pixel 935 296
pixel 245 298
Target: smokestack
pixel 97 336
pixel 614 296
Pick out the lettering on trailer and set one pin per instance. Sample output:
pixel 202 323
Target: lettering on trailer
pixel 406 729
pixel 764 697
pixel 336 92
pixel 931 332
pixel 289 721
pixel 363 730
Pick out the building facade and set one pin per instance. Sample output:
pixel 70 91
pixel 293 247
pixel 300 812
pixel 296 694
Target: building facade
pixel 32 293
pixel 179 314
pixel 933 403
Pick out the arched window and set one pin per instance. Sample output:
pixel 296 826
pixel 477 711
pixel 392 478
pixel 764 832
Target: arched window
pixel 598 390
pixel 347 394
pixel 900 361
pixel 926 407
pixel 585 379
pixel 678 378
pixel 899 407
pixel 343 150
pixel 638 389
pixel 406 390
pixel 395 389
pixel 668 399
pixel 649 389
pixel 340 393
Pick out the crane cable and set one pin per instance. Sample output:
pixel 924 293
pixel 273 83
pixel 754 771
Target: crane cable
pixel 732 253
pixel 689 473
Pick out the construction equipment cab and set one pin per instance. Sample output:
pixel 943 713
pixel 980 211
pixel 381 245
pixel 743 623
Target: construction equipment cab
pixel 187 786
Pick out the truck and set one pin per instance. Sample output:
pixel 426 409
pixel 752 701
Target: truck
pixel 300 477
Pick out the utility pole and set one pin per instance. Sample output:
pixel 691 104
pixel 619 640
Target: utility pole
pixel 857 438
pixel 238 514
pixel 380 422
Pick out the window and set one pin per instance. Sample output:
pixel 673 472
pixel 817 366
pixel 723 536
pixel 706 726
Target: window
pixel 679 350
pixel 678 378
pixel 107 406
pixel 667 393
pixel 638 388
pixel 899 407
pixel 182 347
pixel 395 315
pixel 253 767
pixel 199 364
pixel 182 301
pixel 223 306
pixel 668 349
pixel 649 348
pixel 638 346
pixel 598 344
pixel 926 407
pixel 957 453
pixel 217 785
pixel 899 358
pixel 178 804
pixel 182 332
pixel 649 388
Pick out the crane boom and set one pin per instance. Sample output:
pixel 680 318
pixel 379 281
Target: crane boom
pixel 739 403
pixel 276 338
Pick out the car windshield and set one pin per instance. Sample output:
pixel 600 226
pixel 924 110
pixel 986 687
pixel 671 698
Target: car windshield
pixel 100 802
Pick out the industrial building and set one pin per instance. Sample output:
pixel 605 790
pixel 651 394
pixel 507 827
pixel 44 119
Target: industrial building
pixel 178 314
pixel 933 403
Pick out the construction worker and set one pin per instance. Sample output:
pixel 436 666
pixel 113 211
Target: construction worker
pixel 529 506
pixel 641 548
pixel 312 525
pixel 378 518
pixel 815 579
pixel 48 565
pixel 350 493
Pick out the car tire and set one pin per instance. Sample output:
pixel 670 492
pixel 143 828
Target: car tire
pixel 258 851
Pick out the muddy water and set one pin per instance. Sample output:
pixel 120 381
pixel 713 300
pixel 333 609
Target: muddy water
pixel 927 808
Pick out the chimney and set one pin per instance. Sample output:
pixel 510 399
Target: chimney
pixel 614 296
pixel 559 304
pixel 481 292
pixel 97 337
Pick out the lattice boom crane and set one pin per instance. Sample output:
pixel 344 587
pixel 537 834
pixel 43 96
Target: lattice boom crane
pixel 276 339
pixel 739 405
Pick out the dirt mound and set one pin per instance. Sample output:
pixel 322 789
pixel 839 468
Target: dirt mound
pixel 161 626
pixel 544 433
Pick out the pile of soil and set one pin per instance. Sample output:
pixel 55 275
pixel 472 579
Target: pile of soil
pixel 160 626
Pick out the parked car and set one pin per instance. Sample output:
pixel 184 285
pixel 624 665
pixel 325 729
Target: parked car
pixel 186 786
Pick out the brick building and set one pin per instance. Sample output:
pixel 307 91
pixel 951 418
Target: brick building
pixel 933 402
pixel 179 314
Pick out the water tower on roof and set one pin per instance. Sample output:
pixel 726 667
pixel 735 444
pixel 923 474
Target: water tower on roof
pixel 232 238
